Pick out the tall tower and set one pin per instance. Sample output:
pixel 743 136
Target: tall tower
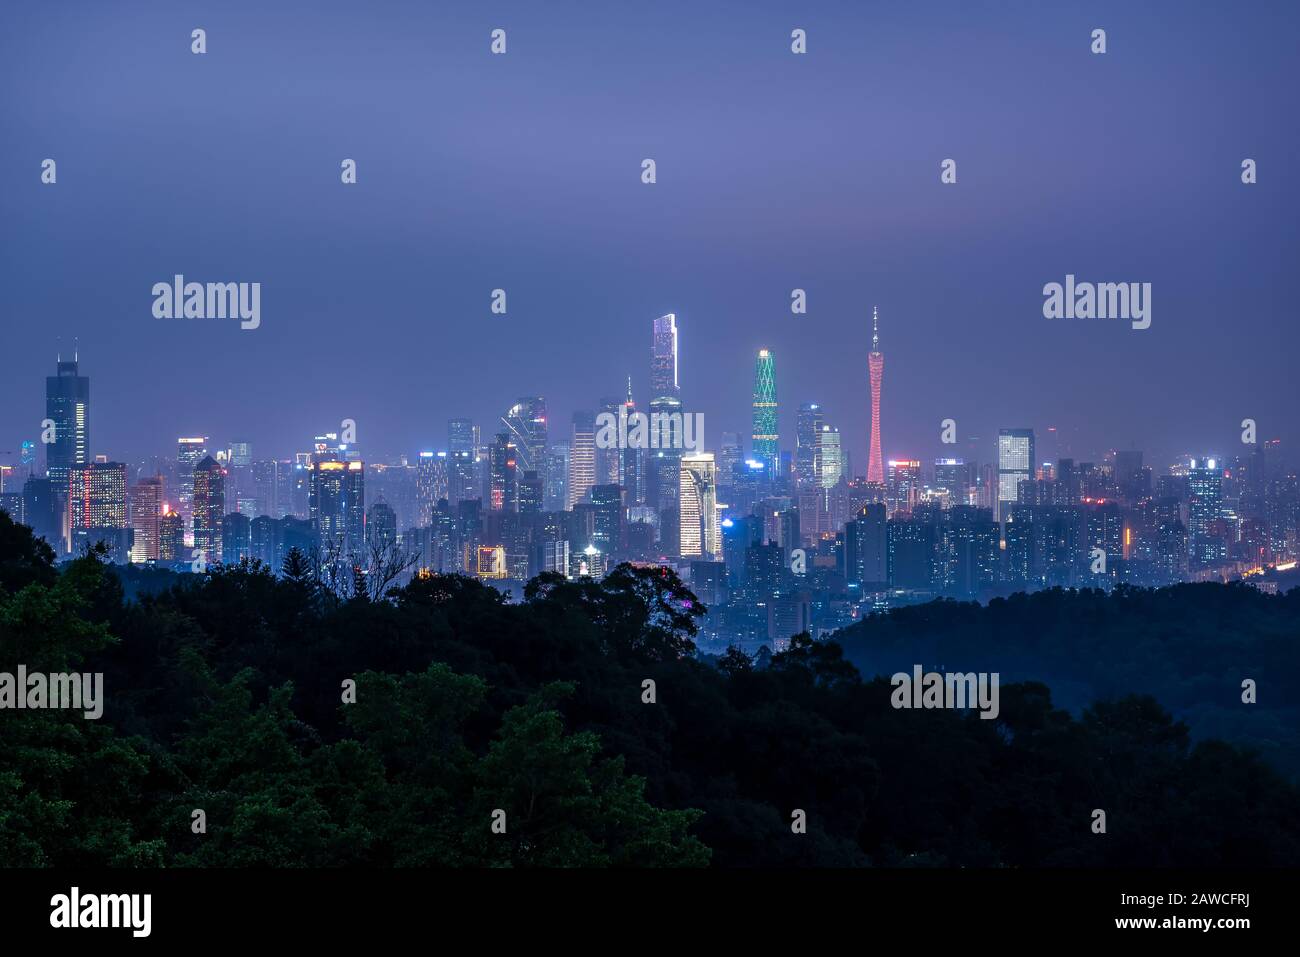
pixel 663 464
pixel 582 458
pixel 876 363
pixel 663 358
pixel 700 529
pixel 67 405
pixel 1015 465
pixel 526 424
pixel 765 420
pixel 209 506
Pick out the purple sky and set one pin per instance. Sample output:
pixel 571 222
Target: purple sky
pixel 775 171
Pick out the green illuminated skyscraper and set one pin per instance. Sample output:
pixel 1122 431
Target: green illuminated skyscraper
pixel 765 427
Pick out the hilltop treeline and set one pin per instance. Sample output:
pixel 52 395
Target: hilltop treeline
pixel 1189 646
pixel 225 693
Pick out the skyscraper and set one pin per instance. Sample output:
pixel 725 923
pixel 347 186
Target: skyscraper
pixel 525 423
pixel 701 530
pixel 96 500
pixel 209 508
pixel 1015 465
pixel 582 458
pixel 189 452
pixel 903 484
pixel 432 483
pixel 876 366
pixel 97 495
pixel 631 473
pixel 830 465
pixel 808 445
pixel 67 406
pixel 609 461
pixel 337 504
pixel 381 526
pixel 504 474
pixel 765 415
pixel 1204 502
pixel 146 513
pixel 664 463
pixel 171 536
pixel 663 358
pixel 462 461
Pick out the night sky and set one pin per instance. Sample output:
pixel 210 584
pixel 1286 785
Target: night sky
pixel 775 171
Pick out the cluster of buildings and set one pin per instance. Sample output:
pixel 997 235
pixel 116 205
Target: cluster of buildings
pixel 774 538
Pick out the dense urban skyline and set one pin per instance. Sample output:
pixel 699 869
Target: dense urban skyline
pixel 821 174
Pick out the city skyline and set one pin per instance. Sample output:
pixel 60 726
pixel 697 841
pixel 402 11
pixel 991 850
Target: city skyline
pixel 386 286
pixel 844 421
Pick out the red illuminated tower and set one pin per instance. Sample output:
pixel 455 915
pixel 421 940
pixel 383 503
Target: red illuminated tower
pixel 876 363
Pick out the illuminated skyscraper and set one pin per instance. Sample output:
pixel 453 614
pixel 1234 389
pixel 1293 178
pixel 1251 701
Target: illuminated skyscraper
pixel 765 417
pixel 97 495
pixel 432 483
pixel 663 468
pixel 582 458
pixel 146 512
pixel 504 474
pixel 462 461
pixel 663 358
pixel 1015 465
pixel 701 528
pixel 1204 505
pixel 808 446
pixel 830 464
pixel 631 473
pixel 67 406
pixel 903 484
pixel 97 508
pixel 609 461
pixel 189 452
pixel 525 423
pixel 664 463
pixel 876 366
pixel 171 535
pixel 337 504
pixel 209 508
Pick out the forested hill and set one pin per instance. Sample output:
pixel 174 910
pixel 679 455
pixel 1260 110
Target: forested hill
pixel 1189 646
pixel 580 719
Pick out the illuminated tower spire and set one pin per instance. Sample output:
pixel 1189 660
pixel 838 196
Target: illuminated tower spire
pixel 876 366
pixel 765 418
